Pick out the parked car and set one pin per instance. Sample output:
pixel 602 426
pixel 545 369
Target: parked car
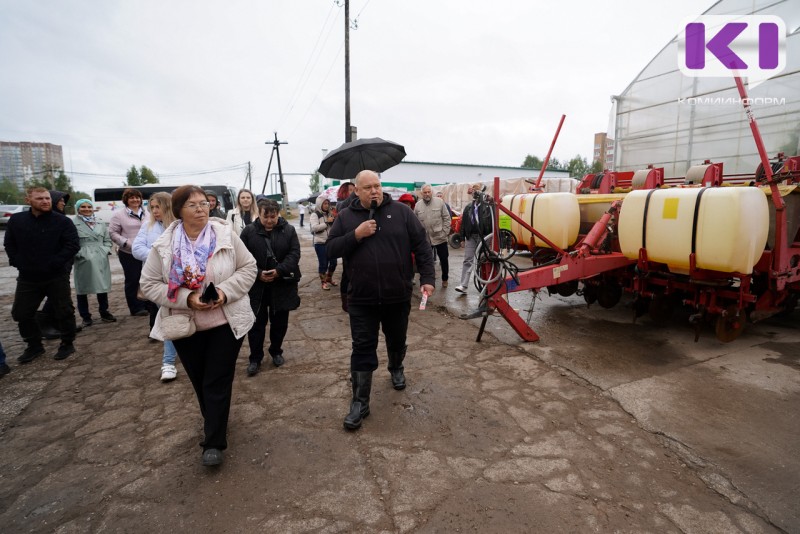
pixel 6 211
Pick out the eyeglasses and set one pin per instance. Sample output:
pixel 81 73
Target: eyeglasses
pixel 201 205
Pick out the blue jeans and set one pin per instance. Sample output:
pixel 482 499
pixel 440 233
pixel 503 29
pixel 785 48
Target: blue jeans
pixel 169 348
pixel 325 265
pixel 169 353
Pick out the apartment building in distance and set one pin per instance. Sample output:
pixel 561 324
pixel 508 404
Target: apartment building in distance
pixel 603 150
pixel 20 161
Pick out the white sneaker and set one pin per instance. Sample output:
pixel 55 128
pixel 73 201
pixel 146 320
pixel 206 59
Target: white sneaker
pixel 461 289
pixel 168 373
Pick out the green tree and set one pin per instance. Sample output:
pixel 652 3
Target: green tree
pixel 532 162
pixel 10 193
pixel 133 176
pixel 147 175
pixel 577 166
pixel 141 176
pixel 596 166
pixel 314 183
pixel 555 165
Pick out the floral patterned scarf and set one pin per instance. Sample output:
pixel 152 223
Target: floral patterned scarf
pixel 189 261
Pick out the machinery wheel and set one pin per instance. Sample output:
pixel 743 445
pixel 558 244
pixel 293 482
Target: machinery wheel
pixel 567 289
pixel 590 293
pixel 730 324
pixel 455 240
pixel 660 309
pixel 608 295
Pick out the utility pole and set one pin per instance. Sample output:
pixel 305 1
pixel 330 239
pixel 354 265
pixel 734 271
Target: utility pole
pixel 276 152
pixel 347 134
pixel 248 179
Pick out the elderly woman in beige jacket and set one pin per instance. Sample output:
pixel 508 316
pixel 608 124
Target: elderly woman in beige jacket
pixel 191 254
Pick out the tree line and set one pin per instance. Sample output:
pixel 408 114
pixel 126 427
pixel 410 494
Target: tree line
pixel 577 167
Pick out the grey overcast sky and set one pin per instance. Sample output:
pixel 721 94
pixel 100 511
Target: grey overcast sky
pixel 186 86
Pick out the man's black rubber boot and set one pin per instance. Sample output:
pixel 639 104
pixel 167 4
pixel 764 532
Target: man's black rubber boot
pixel 396 369
pixel 359 406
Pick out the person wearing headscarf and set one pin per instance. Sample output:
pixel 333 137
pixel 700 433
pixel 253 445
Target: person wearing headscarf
pixel 193 253
pixel 92 275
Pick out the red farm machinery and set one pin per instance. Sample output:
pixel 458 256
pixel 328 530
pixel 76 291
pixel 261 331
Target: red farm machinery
pixel 726 247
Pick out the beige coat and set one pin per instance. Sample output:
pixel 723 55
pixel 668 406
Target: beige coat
pixel 435 218
pixel 231 263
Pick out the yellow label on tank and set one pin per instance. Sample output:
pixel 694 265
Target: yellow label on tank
pixel 522 204
pixel 670 210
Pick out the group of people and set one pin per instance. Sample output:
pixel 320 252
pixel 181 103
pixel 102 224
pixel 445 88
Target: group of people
pixel 206 283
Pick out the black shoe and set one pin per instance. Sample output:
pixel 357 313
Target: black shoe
pixel 212 457
pixel 64 351
pixel 142 313
pixel 359 406
pixel 106 317
pixel 31 353
pixel 4 369
pixel 396 369
pixel 252 368
pixel 277 360
pixel 86 323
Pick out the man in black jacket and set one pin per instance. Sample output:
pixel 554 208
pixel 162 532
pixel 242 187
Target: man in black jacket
pixel 376 237
pixel 476 222
pixel 274 244
pixel 41 244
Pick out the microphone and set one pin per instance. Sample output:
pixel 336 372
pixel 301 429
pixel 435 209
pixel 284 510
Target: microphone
pixel 372 206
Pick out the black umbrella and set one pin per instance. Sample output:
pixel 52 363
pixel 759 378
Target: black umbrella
pixel 373 154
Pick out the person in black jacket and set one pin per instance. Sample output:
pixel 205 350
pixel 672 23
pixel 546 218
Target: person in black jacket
pixel 274 244
pixel 376 237
pixel 476 222
pixel 344 284
pixel 41 244
pixel 46 318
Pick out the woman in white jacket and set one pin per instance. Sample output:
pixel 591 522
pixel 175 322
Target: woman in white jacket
pixel 245 211
pixel 192 253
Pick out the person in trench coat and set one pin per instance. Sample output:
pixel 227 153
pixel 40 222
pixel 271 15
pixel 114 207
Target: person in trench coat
pixel 92 272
